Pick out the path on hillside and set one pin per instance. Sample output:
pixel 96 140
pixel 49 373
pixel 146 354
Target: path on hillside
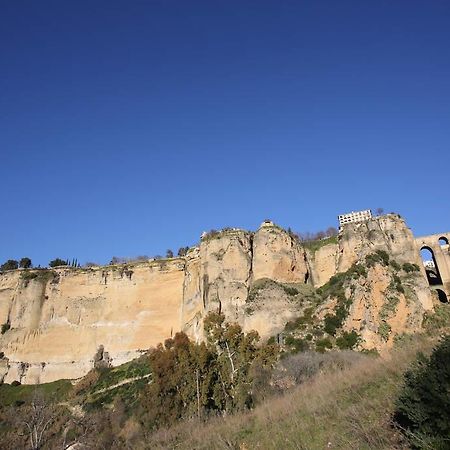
pixel 121 383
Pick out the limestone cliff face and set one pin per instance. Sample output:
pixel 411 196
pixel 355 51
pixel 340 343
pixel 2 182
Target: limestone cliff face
pixel 357 240
pixel 59 318
pixel 230 263
pixel 385 303
pixel 226 264
pixel 270 305
pixel 323 263
pixel 388 232
pixel 278 256
pixel 378 311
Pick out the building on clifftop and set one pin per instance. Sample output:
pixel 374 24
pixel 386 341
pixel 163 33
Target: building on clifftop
pixel 354 217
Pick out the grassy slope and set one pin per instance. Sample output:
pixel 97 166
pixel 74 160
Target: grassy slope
pixel 91 396
pixel 313 246
pixel 56 391
pixel 341 410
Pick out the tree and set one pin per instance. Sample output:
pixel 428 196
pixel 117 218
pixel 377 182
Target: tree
pixel 58 262
pixel 331 231
pixel 182 251
pixel 11 264
pixel 236 353
pixel 25 263
pixel 379 211
pixel 423 407
pixel 169 254
pixel 117 260
pixel 189 379
pixel 91 264
pixel 37 421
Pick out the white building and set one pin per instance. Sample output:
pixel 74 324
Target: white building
pixel 267 223
pixel 354 217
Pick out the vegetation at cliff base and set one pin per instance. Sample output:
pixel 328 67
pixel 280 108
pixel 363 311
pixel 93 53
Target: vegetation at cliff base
pixel 423 408
pixel 229 392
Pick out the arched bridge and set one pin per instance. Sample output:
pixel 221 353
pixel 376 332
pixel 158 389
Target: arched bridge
pixel 437 264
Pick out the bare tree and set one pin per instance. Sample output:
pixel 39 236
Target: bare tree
pixel 81 429
pixel 36 422
pixel 331 231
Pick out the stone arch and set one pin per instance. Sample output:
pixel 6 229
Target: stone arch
pixel 442 296
pixel 443 241
pixel 431 267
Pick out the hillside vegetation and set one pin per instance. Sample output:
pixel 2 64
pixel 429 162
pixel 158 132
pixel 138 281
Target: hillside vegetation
pixel 342 409
pixel 313 386
pixel 341 399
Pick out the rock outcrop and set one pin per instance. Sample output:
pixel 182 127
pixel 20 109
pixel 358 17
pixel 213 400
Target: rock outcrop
pixel 59 318
pixel 55 321
pixel 279 256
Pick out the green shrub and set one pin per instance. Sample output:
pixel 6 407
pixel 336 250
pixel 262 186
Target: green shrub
pixel 323 344
pixel 58 262
pixel 395 265
pixel 347 340
pixel 334 321
pixel 439 319
pixel 5 327
pixel 296 345
pixel 314 245
pixel 25 263
pixel 408 267
pixel 384 330
pixel 290 290
pixel 396 284
pixel 389 306
pixel 423 407
pixel 379 257
pixel 357 271
pixel 301 322
pixel 11 264
pixel 331 324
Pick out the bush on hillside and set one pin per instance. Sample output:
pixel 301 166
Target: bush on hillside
pixel 11 264
pixel 215 377
pixel 25 263
pixel 408 267
pixel 347 340
pixel 423 407
pixel 58 262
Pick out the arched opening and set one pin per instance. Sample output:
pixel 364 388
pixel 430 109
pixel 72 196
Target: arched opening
pixel 443 241
pixel 442 297
pixel 431 268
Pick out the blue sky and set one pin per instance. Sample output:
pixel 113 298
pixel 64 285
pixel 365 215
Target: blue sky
pixel 127 128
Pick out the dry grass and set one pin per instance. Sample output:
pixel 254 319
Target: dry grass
pixel 345 409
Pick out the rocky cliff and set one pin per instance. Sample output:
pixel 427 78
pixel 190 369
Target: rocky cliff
pixel 55 321
pixel 58 319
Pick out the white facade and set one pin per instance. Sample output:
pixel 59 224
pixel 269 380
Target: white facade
pixel 354 217
pixel 267 223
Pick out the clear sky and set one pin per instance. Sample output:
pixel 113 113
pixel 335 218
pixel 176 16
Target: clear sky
pixel 129 127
